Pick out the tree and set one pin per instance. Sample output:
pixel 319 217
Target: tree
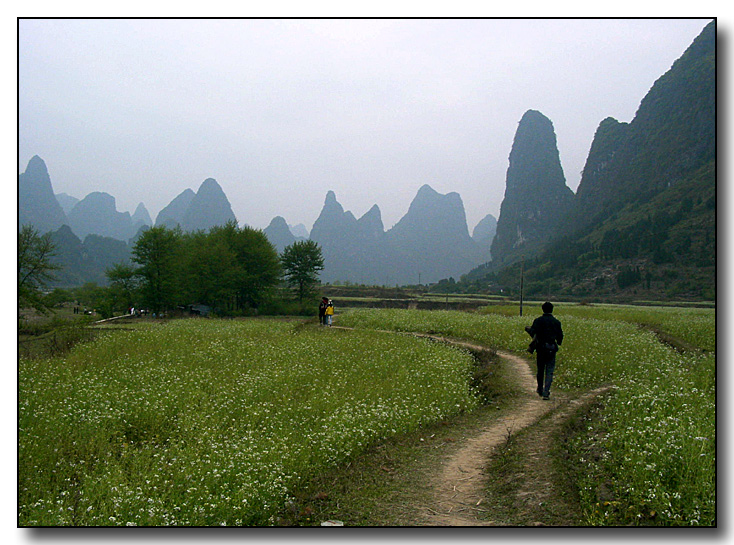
pixel 35 269
pixel 207 270
pixel 124 285
pixel 228 267
pixel 302 262
pixel 58 297
pixel 95 297
pixel 258 268
pixel 155 251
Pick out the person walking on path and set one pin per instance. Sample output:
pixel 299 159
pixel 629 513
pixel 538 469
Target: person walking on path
pixel 547 336
pixel 322 310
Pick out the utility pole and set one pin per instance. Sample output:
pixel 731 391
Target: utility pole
pixel 522 275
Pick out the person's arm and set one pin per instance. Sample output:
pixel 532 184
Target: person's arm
pixel 559 334
pixel 533 329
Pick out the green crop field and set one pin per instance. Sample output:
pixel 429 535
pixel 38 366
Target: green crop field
pixel 216 422
pixel 208 422
pixel 655 438
pixel 694 326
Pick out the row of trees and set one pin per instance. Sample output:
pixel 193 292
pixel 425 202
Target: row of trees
pixel 228 268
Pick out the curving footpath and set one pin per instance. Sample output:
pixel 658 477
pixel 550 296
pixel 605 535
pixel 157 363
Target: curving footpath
pixel 459 487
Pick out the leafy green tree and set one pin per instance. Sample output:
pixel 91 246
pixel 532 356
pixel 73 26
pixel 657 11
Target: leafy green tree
pixel 207 270
pixel 256 269
pixel 155 251
pixel 35 269
pixel 302 261
pixel 227 267
pixel 58 297
pixel 259 268
pixel 124 285
pixel 92 296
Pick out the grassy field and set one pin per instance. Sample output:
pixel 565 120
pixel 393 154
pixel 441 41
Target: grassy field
pixel 649 457
pixel 220 422
pixel 694 326
pixel 209 422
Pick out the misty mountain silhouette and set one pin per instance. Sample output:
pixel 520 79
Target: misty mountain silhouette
pixel 37 204
pixel 97 214
pixel 646 199
pixel 537 198
pixel 141 217
pixel 209 207
pixel 643 220
pixel 279 234
pixel 66 201
pixel 483 233
pixel 429 243
pixel 203 210
pixel 173 214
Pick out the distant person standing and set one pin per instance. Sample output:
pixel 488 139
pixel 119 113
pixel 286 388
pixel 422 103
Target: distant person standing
pixel 329 312
pixel 547 336
pixel 322 310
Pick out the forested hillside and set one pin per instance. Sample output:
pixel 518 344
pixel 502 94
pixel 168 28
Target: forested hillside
pixel 643 222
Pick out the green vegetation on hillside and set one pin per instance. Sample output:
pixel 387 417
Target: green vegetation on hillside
pixel 644 217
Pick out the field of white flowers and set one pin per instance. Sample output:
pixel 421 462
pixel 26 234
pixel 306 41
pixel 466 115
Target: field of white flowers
pixel 208 422
pixel 654 442
pixel 695 326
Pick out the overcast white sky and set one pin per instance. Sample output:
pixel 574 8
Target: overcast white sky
pixel 281 111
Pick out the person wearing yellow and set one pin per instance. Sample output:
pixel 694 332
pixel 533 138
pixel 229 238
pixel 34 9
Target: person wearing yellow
pixel 329 312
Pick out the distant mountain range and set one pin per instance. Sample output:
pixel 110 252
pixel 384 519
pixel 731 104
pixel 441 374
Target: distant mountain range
pixel 280 234
pixel 37 204
pixel 643 215
pixel 204 209
pixel 429 243
pixel 92 236
pixel 85 261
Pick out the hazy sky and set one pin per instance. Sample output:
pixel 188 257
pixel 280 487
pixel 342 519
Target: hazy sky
pixel 281 111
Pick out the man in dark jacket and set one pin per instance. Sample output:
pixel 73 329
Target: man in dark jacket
pixel 547 335
pixel 322 310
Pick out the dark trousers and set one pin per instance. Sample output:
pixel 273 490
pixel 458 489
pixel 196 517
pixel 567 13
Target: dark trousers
pixel 546 367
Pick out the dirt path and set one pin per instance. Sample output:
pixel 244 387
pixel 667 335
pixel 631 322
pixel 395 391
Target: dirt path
pixel 459 488
pixel 458 498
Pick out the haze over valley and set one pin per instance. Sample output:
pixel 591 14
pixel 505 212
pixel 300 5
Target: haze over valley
pixel 664 154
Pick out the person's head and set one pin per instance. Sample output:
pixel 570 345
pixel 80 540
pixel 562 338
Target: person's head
pixel 324 299
pixel 547 307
